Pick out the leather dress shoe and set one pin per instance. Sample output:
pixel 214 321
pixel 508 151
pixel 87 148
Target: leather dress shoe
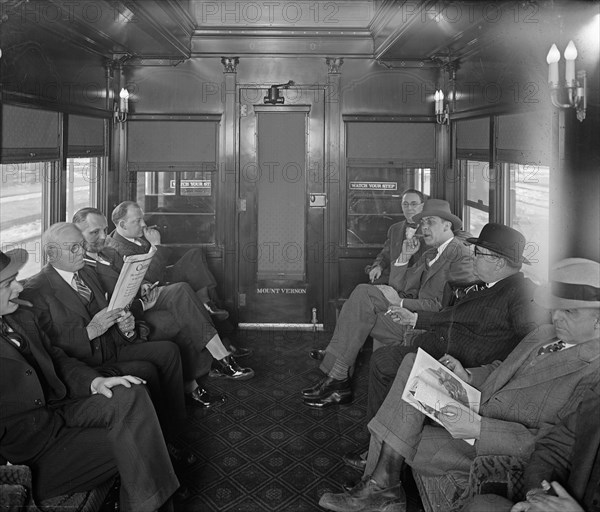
pixel 218 313
pixel 239 352
pixel 325 387
pixel 317 354
pixel 356 460
pixel 181 456
pixel 204 398
pixel 334 398
pixel 367 496
pixel 229 369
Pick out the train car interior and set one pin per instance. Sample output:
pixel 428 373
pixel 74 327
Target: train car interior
pixel 278 137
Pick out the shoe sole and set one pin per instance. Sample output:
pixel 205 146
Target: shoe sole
pixel 390 507
pixel 317 405
pixel 246 376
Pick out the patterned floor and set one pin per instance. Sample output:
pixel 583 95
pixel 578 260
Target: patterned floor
pixel 263 450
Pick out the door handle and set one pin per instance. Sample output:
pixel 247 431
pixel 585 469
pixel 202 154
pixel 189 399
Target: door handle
pixel 317 200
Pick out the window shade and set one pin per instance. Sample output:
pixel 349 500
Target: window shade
pixel 525 138
pixel 163 142
pixel 473 139
pixel 29 135
pixel 404 141
pixel 86 136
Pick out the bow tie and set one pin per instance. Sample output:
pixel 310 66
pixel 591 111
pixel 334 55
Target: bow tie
pixel 552 347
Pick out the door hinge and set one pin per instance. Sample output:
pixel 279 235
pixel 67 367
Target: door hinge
pixel 241 300
pixel 241 205
pixel 243 110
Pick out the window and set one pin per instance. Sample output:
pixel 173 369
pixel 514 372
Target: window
pixel 528 211
pixel 82 183
pixel 374 196
pixel 180 203
pixel 24 186
pixel 476 178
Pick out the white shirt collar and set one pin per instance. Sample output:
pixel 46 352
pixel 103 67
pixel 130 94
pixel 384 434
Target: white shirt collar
pixel 67 276
pixel 132 240
pixel 440 250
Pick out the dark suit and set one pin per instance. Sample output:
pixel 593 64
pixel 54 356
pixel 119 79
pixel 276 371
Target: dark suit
pixel 177 315
pixel 480 328
pixel 190 268
pixel 522 398
pixel 363 314
pixel 63 316
pixel 569 454
pixel 72 440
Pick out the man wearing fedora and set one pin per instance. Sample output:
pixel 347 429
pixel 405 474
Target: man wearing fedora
pixel 73 427
pixel 419 287
pixel 542 381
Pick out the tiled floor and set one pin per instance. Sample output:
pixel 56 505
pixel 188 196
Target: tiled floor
pixel 263 450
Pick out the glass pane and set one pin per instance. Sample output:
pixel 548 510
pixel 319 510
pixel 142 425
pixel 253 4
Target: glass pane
pixel 475 220
pixel 478 182
pixel 82 183
pixel 180 204
pixel 529 213
pixel 374 202
pixel 21 211
pixel 423 180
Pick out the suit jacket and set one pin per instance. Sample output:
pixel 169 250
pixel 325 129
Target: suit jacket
pixel 570 454
pixel 422 287
pixel 64 317
pixel 26 422
pixel 521 400
pixel 485 325
pixel 157 271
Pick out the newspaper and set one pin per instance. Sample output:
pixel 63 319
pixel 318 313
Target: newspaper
pixel 130 279
pixel 431 387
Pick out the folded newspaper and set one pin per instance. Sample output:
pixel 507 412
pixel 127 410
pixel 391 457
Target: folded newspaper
pixel 431 387
pixel 130 279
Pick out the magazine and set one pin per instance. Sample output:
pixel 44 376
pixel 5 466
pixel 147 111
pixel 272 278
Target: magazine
pixel 431 387
pixel 130 279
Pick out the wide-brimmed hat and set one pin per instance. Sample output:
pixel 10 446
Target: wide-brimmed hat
pixel 574 284
pixel 439 208
pixel 11 262
pixel 503 240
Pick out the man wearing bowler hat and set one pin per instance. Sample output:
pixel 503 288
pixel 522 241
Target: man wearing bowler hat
pixel 542 381
pixel 484 322
pixel 418 288
pixel 73 427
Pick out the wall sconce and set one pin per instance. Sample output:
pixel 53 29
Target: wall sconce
pixel 441 110
pixel 122 107
pixel 575 86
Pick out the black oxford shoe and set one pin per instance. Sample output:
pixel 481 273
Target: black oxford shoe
pixel 206 399
pixel 343 396
pixel 317 354
pixel 325 386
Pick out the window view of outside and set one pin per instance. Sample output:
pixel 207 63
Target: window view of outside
pixel 82 183
pixel 476 208
pixel 21 210
pixel 529 213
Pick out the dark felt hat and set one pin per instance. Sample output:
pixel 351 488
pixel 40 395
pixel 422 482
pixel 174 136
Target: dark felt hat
pixel 503 240
pixel 439 208
pixel 11 262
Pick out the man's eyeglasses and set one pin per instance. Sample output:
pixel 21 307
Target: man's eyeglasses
pixel 483 254
pixel 75 248
pixel 412 204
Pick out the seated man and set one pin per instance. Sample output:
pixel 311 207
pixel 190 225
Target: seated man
pixel 132 236
pixel 174 312
pixel 73 427
pixel 483 325
pixel 570 454
pixel 419 287
pixel 541 381
pixel 380 269
pixel 71 309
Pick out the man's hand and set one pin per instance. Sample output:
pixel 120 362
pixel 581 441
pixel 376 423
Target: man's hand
pixel 455 367
pixel 102 322
pixel 103 385
pixel 401 315
pixel 542 502
pixel 461 424
pixel 152 235
pixel 126 322
pixel 150 295
pixel 375 273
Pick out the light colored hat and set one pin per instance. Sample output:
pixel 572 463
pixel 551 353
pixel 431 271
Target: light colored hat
pixel 574 284
pixel 439 208
pixel 11 262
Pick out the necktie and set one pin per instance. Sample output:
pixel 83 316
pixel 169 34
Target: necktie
pixel 82 289
pixel 462 292
pixel 553 347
